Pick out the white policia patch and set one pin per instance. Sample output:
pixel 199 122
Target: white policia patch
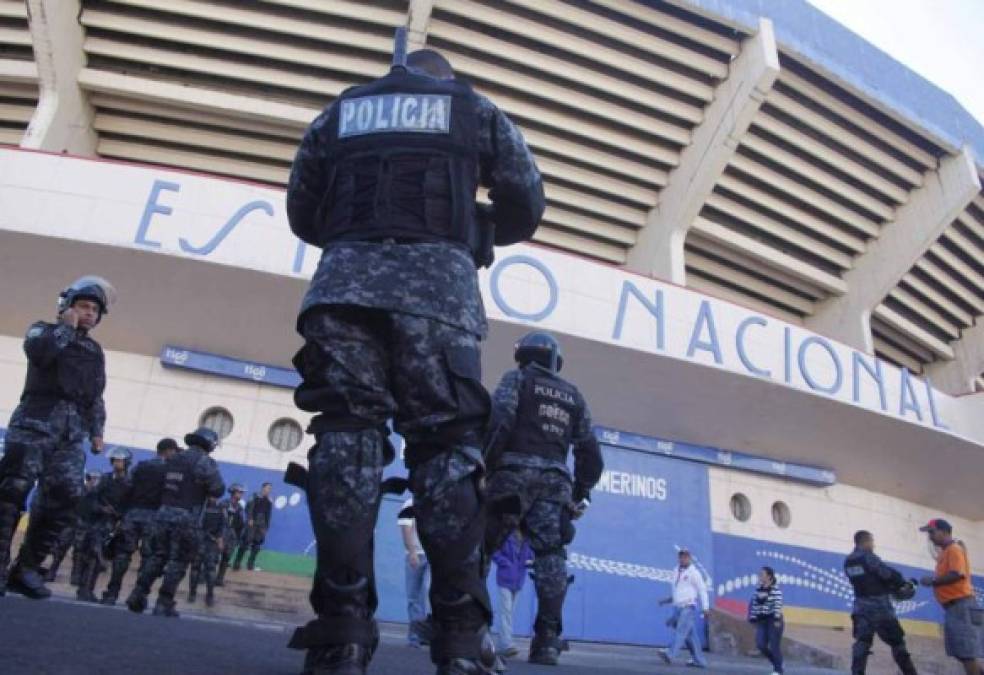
pixel 34 332
pixel 387 113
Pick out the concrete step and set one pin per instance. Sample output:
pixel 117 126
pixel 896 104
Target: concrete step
pixel 254 595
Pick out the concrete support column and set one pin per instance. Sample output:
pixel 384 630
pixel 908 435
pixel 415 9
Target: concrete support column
pixel 418 18
pixel 957 377
pixel 658 251
pixel 918 224
pixel 62 121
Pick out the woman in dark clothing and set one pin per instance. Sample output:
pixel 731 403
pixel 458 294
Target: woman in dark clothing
pixel 765 611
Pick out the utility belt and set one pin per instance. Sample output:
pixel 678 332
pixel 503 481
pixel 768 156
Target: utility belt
pixel 480 249
pixel 549 455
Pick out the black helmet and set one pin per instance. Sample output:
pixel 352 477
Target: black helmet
pixel 237 487
pixel 119 453
pixel 906 591
pixel 89 287
pixel 204 438
pixel 541 348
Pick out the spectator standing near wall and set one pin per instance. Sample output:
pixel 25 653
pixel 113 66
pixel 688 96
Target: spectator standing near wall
pixel 953 590
pixel 511 561
pixel 689 599
pixel 417 577
pixel 765 611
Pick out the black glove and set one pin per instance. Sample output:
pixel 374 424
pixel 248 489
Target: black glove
pixel 580 492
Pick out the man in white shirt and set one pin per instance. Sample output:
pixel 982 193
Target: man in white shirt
pixel 417 576
pixel 689 597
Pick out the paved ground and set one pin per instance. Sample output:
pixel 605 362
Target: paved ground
pixel 65 637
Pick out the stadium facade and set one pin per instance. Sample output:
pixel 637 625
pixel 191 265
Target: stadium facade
pixel 762 252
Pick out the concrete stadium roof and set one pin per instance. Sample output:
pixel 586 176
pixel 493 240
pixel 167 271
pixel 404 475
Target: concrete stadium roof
pixel 809 33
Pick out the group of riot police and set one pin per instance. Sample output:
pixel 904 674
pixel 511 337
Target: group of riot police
pixel 166 507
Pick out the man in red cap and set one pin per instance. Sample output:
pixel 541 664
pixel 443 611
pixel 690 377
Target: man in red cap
pixel 953 590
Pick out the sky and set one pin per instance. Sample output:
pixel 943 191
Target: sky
pixel 942 40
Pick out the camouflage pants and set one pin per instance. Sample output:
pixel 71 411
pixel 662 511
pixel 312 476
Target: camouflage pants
pixel 90 551
pixel 361 368
pixel 876 616
pixel 136 532
pixel 206 561
pixel 252 542
pixel 64 542
pixel 47 451
pixel 544 517
pixel 175 539
pixel 233 540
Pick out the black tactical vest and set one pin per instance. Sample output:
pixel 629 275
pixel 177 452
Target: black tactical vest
pixel 235 515
pixel 180 487
pixel 262 507
pixel 212 518
pixel 404 162
pixel 77 374
pixel 547 414
pixel 148 484
pixel 113 492
pixel 866 583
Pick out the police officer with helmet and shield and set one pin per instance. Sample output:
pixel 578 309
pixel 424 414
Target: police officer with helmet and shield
pixel 875 586
pixel 538 417
pixel 385 182
pixel 190 477
pixel 61 406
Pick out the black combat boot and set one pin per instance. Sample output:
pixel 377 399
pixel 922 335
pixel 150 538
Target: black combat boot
pixel 27 582
pixel 109 598
pixel 165 608
pixel 545 648
pixel 209 598
pixel 251 563
pixel 192 594
pixel 24 577
pixel 137 601
pixel 351 659
pixel 484 663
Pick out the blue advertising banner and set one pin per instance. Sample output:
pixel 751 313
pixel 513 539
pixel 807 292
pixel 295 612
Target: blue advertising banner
pixel 203 362
pixel 737 461
pixel 809 578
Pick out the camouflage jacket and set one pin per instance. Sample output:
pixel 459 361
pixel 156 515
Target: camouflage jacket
pixel 434 280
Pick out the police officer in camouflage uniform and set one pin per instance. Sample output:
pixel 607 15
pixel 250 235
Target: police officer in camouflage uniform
pixel 235 528
pixel 136 530
pixel 61 406
pixel 109 505
pixel 190 477
pixel 259 515
pixel 538 416
pixel 211 539
pixel 875 583
pixel 385 182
